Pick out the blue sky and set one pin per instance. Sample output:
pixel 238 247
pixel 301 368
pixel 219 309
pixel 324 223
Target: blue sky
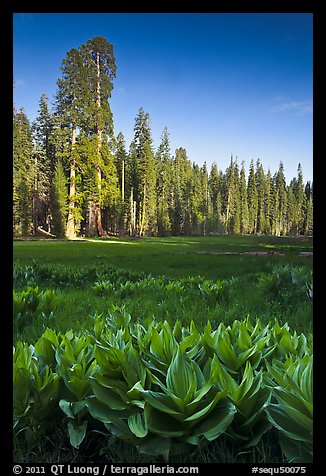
pixel 222 83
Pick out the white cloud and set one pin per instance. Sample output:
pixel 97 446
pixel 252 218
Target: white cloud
pixel 297 108
pixel 18 83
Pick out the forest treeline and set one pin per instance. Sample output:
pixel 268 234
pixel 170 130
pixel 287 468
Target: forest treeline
pixel 73 177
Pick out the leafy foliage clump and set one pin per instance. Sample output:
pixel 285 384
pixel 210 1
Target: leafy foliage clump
pixel 167 390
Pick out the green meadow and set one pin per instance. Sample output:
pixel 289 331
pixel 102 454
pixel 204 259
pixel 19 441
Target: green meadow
pixel 69 286
pixel 172 256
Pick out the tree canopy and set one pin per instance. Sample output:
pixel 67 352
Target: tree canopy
pixel 72 175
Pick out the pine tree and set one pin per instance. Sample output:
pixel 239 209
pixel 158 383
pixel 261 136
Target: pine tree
pixel 22 174
pixel 300 201
pixel 43 131
pixel 196 194
pixel 236 219
pixel 121 165
pixel 163 188
pixel 59 200
pixel 43 156
pixel 308 224
pixel 309 218
pixel 268 204
pixel 214 184
pixel 204 205
pixel 252 199
pixel 181 183
pixel 229 194
pixel 280 200
pixel 260 186
pixel 143 176
pixel 244 212
pixel 292 210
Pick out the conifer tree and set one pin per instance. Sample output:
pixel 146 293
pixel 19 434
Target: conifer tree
pixel 268 204
pixel 308 224
pixel 252 198
pixel 309 217
pixel 195 194
pixel 214 184
pixel 22 174
pixel 181 183
pixel 280 200
pixel 143 175
pixel 236 219
pixel 99 61
pixel 59 200
pixel 260 186
pixel 204 205
pixel 244 212
pixel 121 165
pixel 71 114
pixel 300 202
pixel 43 157
pixel 163 188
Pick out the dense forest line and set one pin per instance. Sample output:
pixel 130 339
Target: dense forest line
pixel 73 177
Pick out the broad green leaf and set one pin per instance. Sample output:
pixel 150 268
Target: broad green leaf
pixel 154 445
pixel 296 451
pixel 208 408
pixel 103 412
pixel 253 404
pixel 110 360
pixel 244 340
pixel 107 396
pixel 245 385
pixel 217 422
pixel 66 408
pixel 77 432
pixel 181 378
pixel 134 394
pixel 220 375
pixel 119 428
pixel 163 425
pixel 227 355
pixel 162 402
pixel 133 368
pixel 138 425
pixel 291 401
pixel 281 420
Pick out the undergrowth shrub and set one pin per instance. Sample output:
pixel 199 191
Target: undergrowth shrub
pixel 30 302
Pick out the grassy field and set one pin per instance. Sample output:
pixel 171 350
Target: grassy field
pixel 218 279
pixel 172 256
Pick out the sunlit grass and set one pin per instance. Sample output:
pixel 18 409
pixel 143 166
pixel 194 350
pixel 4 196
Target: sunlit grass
pixel 171 256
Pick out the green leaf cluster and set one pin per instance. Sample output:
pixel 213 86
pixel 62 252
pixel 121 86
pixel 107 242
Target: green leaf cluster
pixel 291 410
pixel 36 389
pixel 31 301
pixel 171 389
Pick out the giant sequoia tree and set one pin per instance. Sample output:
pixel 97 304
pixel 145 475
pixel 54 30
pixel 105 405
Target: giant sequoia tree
pixel 71 113
pixel 98 58
pixel 86 124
